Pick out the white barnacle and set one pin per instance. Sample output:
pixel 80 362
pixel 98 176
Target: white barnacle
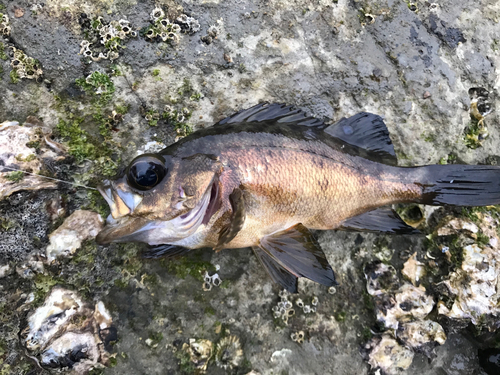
pixel 157 14
pixel 216 281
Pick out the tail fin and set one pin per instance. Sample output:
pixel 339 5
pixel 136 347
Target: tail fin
pixel 459 185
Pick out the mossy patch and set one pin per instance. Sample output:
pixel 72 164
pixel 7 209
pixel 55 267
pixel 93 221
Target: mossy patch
pixel 189 265
pixel 15 176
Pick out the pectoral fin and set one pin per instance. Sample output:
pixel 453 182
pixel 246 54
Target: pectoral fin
pixel 279 274
pixel 237 200
pixel 294 253
pixel 384 220
pixel 164 251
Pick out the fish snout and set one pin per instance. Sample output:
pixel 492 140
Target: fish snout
pixel 121 202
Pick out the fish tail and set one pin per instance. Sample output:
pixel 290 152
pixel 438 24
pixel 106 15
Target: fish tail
pixel 459 185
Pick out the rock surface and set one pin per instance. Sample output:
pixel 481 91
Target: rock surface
pixel 432 70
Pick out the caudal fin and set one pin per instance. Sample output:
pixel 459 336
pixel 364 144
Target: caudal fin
pixel 459 185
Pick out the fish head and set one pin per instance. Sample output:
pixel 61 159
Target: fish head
pixel 161 199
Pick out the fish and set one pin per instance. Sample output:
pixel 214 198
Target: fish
pixel 268 176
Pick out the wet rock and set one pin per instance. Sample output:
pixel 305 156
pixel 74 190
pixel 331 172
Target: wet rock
pixel 65 332
pixel 386 354
pixel 18 152
pixel 421 333
pixel 78 227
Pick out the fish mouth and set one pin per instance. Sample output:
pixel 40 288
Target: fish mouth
pixel 121 203
pixel 155 232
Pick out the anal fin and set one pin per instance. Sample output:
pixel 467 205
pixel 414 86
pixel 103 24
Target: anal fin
pixel 295 253
pixel 384 220
pixel 164 251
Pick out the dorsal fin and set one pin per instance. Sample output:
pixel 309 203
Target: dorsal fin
pixel 278 112
pixel 366 131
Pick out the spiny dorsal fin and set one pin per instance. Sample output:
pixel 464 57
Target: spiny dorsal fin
pixel 277 112
pixel 383 219
pixel 296 251
pixel 366 131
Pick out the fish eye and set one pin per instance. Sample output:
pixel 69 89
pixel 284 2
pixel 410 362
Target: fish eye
pixel 146 172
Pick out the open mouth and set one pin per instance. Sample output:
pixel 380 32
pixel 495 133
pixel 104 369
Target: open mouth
pixel 154 232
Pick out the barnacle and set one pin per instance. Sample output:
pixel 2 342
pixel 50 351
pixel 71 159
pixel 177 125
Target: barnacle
pixel 298 337
pixel 157 14
pixel 213 31
pixel 228 352
pixel 4 24
pixel 187 24
pixel 200 352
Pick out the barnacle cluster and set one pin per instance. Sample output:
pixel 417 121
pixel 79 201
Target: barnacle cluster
pixel 24 66
pixel 178 118
pixel 212 33
pixel 480 107
pixel 307 308
pixel 188 25
pixel 66 332
pixel 298 337
pixel 4 24
pixel 161 29
pixel 472 289
pixel 104 39
pixel 208 280
pixel 402 308
pixel 284 309
pixel 228 352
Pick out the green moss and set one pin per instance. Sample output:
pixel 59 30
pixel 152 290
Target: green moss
pixel 155 338
pixel 15 176
pixel 99 86
pixel 155 73
pixel 86 254
pixel 185 364
pixel 28 158
pixel 97 203
pixel 209 310
pixel 474 134
pixel 340 316
pixel 225 284
pixel 43 284
pixel 6 224
pixel 3 55
pixel 152 117
pixel 482 239
pixel 190 265
pixel 14 77
pixel 366 334
pixel 79 145
pixel 115 71
pixel 495 45
pixel 195 97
